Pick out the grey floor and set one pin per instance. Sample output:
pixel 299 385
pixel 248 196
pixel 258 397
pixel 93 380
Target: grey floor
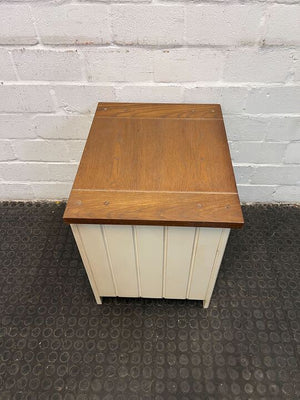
pixel 55 343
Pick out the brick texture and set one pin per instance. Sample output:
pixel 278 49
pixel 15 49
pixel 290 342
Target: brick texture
pixel 148 25
pixel 83 24
pixel 16 25
pixel 59 58
pixel 223 24
pixel 48 65
pixel 283 25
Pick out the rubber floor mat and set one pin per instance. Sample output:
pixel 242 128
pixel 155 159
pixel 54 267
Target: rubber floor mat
pixel 57 344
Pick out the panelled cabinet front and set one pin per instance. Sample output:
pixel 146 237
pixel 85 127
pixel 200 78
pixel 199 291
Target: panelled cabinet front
pixel 151 261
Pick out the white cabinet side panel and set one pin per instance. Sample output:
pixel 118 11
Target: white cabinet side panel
pixel 92 239
pixel 214 273
pixel 150 247
pixel 180 241
pixel 122 255
pixel 206 249
pixel 86 262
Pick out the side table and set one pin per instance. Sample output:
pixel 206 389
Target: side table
pixel 154 200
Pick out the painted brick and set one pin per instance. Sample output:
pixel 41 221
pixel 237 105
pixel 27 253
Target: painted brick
pixel 276 175
pixel 82 24
pixel 282 1
pixel 256 193
pixel 7 69
pixel 48 65
pixel 129 1
pixel 22 171
pixel 62 172
pixel 155 94
pixel 82 99
pixel 179 65
pixel 245 128
pixel 41 150
pixel 6 151
pixel 25 98
pixel 16 191
pixel 252 65
pixel 232 99
pixel 273 100
pixel 38 171
pixel 289 194
pixel 16 25
pixel 148 25
pixel 75 149
pixel 223 24
pixel 119 64
pixel 243 55
pixel 283 129
pixel 257 153
pixel 62 126
pixel 243 173
pixel 283 25
pixel 292 154
pixel 296 65
pixel 16 126
pixel 51 190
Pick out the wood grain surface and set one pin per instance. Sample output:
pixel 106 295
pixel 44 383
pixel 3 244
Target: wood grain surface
pixel 159 164
pixel 154 208
pixel 156 110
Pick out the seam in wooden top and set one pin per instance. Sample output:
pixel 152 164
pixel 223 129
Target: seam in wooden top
pixel 148 191
pixel 156 146
pixel 158 117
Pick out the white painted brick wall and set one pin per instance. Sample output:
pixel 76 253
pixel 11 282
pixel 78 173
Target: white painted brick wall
pixel 283 25
pixel 16 97
pixel 7 70
pixel 59 58
pixel 81 24
pixel 16 25
pixel 148 24
pixel 274 99
pixel 257 152
pixel 257 65
pixel 119 64
pixel 292 155
pixel 47 65
pixel 81 98
pixel 188 65
pixel 6 151
pixel 223 24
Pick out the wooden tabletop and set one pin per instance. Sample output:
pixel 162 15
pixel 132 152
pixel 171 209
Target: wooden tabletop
pixel 156 164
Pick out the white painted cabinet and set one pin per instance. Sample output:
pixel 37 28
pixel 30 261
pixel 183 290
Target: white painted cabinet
pixel 151 261
pixel 153 200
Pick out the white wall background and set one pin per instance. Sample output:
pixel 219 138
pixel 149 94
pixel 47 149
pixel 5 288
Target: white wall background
pixel 59 58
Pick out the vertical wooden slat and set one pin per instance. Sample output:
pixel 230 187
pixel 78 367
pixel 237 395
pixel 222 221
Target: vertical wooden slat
pixel 109 259
pixel 86 263
pixel 121 249
pixel 137 259
pixel 207 246
pixel 165 250
pixel 217 262
pixel 95 249
pixel 179 253
pixel 194 251
pixel 151 261
pixel 150 241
